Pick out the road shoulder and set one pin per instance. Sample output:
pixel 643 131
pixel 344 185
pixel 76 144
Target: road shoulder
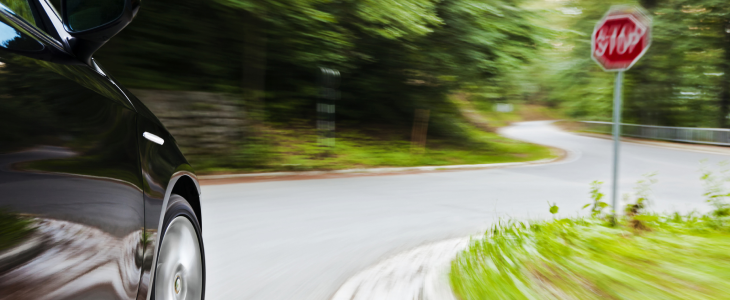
pixel 711 149
pixel 560 155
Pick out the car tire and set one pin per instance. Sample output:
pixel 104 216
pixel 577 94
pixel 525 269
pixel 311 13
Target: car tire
pixel 180 267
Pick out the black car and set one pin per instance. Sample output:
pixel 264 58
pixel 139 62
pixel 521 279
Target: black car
pixel 96 199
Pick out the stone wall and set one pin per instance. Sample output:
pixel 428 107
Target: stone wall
pixel 203 123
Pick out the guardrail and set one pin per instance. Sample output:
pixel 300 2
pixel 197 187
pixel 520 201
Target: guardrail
pixel 711 136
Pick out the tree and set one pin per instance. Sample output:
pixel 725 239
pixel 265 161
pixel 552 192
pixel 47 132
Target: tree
pixel 681 81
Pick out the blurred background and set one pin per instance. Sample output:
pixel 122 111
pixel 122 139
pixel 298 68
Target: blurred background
pixel 243 78
pixel 293 85
pixel 238 82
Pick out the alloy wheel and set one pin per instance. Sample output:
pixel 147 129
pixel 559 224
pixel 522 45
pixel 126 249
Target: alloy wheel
pixel 179 265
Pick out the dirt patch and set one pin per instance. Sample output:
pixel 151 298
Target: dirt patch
pixel 571 126
pixel 533 112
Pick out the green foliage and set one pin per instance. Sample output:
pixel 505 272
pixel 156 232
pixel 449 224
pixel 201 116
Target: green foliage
pixel 20 8
pixel 642 191
pixel 716 191
pixel 297 149
pixel 13 228
pixel 596 196
pixel 553 208
pixel 683 80
pixel 146 238
pixel 677 257
pixel 643 255
pixel 394 57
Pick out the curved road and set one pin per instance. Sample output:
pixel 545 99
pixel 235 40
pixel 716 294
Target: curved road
pixel 290 240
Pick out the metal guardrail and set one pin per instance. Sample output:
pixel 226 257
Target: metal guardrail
pixel 711 136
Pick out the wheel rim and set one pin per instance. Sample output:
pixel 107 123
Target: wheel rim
pixel 179 265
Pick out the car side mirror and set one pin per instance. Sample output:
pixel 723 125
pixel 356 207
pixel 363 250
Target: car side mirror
pixel 91 23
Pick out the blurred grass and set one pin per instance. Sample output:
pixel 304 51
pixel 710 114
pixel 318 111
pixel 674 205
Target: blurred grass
pixel 676 257
pixel 13 228
pixel 296 149
pixel 293 146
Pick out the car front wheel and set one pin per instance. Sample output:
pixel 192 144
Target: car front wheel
pixel 179 273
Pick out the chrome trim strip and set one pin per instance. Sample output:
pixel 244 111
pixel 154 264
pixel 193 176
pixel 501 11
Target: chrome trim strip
pixel 98 69
pixel 121 91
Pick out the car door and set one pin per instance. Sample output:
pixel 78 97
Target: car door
pixel 71 203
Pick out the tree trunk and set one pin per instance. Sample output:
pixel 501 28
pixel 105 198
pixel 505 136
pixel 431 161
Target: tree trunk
pixel 725 94
pixel 254 68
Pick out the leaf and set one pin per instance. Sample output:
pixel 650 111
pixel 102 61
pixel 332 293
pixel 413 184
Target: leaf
pixel 648 218
pixel 554 209
pixel 602 204
pixel 587 205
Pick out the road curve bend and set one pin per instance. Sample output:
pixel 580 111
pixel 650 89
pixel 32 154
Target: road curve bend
pixel 284 240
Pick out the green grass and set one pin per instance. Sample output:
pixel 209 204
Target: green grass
pixel 298 150
pixel 13 228
pixel 293 146
pixel 675 257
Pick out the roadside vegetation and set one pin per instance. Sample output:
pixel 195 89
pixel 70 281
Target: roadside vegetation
pixel 395 58
pixel 297 149
pixel 469 138
pixel 13 228
pixel 641 256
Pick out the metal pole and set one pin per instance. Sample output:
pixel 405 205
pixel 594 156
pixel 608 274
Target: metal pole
pixel 329 82
pixel 616 138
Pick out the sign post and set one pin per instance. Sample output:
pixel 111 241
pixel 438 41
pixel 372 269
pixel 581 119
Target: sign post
pixel 619 39
pixel 329 80
pixel 617 86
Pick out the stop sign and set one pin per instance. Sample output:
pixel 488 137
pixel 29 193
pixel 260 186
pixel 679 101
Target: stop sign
pixel 620 39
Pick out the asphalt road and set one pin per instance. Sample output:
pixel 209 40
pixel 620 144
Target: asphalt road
pixel 302 239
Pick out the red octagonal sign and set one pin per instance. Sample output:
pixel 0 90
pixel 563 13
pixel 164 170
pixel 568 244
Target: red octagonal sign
pixel 621 38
